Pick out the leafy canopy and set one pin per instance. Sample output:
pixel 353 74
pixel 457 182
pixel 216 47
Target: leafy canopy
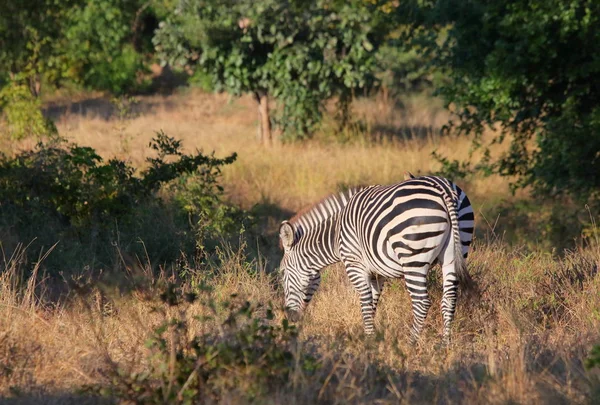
pixel 531 69
pixel 97 43
pixel 300 52
pixel 30 32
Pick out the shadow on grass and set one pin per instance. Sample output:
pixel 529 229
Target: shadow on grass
pixel 66 214
pixel 160 237
pixel 102 108
pixel 465 381
pixel 403 132
pixel 61 398
pixel 163 83
pixel 535 224
pixel 360 379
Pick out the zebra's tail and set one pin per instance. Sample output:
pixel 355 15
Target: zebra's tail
pixel 465 282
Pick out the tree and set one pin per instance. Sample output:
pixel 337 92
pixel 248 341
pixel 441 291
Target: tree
pixel 299 52
pixel 30 34
pixel 99 44
pixel 532 69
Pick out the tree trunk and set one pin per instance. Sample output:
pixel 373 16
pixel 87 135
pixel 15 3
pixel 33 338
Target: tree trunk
pixel 264 118
pixel 35 85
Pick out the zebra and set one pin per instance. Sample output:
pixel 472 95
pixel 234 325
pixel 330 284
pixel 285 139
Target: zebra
pixel 382 232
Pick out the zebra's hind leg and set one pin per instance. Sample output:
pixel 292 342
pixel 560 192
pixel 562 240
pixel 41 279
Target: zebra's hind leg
pixel 449 298
pixel 416 284
pixel 377 284
pixel 360 280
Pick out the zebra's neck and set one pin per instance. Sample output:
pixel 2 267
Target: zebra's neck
pixel 316 227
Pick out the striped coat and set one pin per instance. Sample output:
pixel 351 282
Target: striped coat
pixel 382 233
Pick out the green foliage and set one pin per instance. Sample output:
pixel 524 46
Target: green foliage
pixel 101 44
pixel 531 69
pixel 198 195
pixel 594 359
pixel 196 189
pixel 452 169
pixel 75 183
pixel 31 35
pixel 202 80
pixel 302 53
pixel 402 68
pixel 98 45
pixel 81 198
pixel 23 113
pixel 238 351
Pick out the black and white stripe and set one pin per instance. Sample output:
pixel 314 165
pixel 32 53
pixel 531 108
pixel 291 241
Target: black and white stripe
pixel 381 233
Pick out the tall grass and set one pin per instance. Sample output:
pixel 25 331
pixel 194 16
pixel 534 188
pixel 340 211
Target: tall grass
pixel 400 138
pixel 524 340
pixel 279 181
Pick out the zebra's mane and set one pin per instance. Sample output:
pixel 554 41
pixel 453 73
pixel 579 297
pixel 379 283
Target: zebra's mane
pixel 326 208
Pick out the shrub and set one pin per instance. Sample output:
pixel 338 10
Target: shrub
pixel 64 191
pixel 23 112
pixel 300 53
pixel 529 71
pixel 239 352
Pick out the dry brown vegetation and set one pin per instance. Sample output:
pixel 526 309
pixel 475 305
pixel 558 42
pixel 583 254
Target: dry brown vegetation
pixel 291 175
pixel 524 340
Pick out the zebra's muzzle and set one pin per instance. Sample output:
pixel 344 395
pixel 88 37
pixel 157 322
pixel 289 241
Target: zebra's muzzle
pixel 292 315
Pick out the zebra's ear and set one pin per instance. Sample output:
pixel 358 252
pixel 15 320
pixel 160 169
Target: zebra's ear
pixel 286 235
pixel 408 176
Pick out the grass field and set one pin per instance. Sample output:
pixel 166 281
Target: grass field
pixel 523 340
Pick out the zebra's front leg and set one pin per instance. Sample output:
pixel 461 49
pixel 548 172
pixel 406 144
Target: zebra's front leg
pixel 449 299
pixel 361 282
pixel 416 283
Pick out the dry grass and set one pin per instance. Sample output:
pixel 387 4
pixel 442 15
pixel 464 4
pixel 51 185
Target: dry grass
pixel 291 175
pixel 523 341
pixel 288 176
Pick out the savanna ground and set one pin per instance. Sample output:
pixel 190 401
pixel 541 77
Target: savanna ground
pixel 523 340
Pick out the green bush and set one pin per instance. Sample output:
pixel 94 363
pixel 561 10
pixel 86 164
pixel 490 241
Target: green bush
pixel 101 44
pixel 23 112
pixel 402 69
pixel 202 80
pixel 300 53
pixel 65 192
pixel 98 49
pixel 529 70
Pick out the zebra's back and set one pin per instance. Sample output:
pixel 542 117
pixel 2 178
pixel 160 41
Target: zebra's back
pixel 395 228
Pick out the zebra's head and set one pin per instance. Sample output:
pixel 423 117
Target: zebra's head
pixel 300 276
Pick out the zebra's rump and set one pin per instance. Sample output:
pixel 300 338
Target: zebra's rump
pixel 407 224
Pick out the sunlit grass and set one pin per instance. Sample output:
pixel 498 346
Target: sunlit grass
pixel 289 175
pixel 522 341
